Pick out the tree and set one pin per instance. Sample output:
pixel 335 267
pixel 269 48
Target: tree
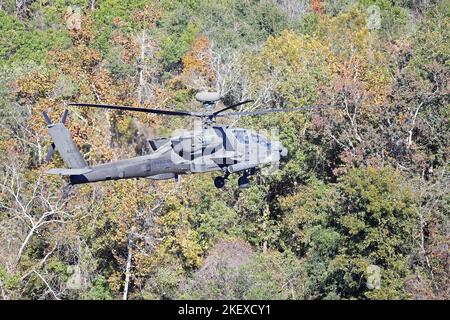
pixel 233 271
pixel 36 215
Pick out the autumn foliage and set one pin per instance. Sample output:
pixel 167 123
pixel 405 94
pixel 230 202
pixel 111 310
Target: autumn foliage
pixel 364 186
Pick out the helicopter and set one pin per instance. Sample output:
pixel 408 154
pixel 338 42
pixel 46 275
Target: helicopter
pixel 211 147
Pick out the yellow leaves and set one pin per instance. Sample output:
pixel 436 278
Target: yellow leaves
pixel 361 81
pixel 293 66
pixel 352 224
pixel 180 238
pixel 6 146
pixel 190 248
pixel 33 85
pixel 144 263
pixel 358 53
pixel 115 281
pixel 343 54
pixel 361 39
pixel 348 36
pixel 378 83
pixel 300 214
pixel 300 52
pixel 124 126
pixel 340 30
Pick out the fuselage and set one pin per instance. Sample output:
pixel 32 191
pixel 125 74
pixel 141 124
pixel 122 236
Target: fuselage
pixel 208 149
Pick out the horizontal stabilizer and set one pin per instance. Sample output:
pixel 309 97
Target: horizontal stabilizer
pixel 68 172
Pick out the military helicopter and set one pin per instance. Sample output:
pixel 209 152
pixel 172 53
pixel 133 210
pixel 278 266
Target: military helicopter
pixel 208 148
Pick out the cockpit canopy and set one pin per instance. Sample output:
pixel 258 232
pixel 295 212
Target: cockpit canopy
pixel 261 140
pixel 241 136
pixel 244 137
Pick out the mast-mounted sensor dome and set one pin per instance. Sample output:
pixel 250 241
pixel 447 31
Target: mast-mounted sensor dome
pixel 208 97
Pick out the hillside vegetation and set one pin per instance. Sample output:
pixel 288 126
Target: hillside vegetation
pixel 363 192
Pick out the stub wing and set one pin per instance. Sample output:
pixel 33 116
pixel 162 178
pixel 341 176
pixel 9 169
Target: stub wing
pixel 68 172
pixel 219 156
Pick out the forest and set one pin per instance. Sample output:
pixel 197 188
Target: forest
pixel 358 210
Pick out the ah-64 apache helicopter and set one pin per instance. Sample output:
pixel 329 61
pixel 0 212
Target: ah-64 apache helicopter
pixel 209 148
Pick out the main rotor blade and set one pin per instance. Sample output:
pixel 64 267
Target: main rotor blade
pixel 233 106
pixel 265 111
pixel 137 109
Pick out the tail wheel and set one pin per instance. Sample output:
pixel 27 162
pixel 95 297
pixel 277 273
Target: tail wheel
pixel 219 182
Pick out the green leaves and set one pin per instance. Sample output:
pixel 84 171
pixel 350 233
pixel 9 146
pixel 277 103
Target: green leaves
pixel 368 217
pixel 99 290
pixel 233 271
pixel 19 44
pixel 174 46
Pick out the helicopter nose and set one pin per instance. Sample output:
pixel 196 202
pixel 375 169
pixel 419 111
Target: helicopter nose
pixel 283 152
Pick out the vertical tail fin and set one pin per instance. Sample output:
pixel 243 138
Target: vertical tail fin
pixel 63 142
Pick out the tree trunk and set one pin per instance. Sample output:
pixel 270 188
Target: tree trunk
pixel 264 227
pixel 127 271
pixel 141 70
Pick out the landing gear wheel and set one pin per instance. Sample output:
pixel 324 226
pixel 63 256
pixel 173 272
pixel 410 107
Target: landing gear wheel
pixel 243 182
pixel 219 182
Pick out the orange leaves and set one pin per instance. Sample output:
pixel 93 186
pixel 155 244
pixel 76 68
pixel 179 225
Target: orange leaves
pixel 118 22
pixel 148 15
pixel 317 6
pixel 76 61
pixel 83 33
pixel 198 56
pixel 34 89
pixel 130 47
pixel 197 61
pixel 101 83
